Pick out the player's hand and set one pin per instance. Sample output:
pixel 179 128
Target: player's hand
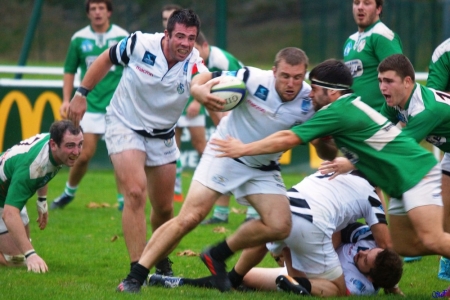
pixel 202 93
pixel 193 109
pixel 77 108
pixel 63 109
pixel 230 147
pixel 339 165
pixel 36 264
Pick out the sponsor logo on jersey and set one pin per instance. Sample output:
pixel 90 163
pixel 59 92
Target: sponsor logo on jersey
pixel 262 92
pixel 219 179
pixel 306 105
pixel 361 45
pixel 142 70
pixel 169 142
pixel 256 106
pixel 149 58
pixel 180 88
pixel 436 140
pixel 356 67
pixel 348 47
pixel 87 46
pixel 358 284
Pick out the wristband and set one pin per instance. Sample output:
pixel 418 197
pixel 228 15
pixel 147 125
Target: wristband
pixel 42 206
pixel 29 253
pixel 83 92
pixel 42 198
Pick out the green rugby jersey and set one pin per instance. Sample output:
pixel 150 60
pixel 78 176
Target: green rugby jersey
pixel 24 168
pixel 85 46
pixel 387 156
pixel 426 115
pixel 363 52
pixel 439 68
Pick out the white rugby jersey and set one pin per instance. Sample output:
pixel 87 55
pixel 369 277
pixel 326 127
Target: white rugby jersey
pixel 263 113
pixel 356 282
pixel 150 96
pixel 333 204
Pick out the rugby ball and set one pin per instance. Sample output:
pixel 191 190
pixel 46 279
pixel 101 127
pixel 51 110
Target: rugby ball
pixel 232 90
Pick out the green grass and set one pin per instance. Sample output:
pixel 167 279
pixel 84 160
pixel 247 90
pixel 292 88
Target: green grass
pixel 86 255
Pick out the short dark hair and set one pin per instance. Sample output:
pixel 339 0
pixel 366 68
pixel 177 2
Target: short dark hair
pixel 107 2
pixel 59 128
pixel 398 63
pixel 171 7
pixel 292 56
pixel 333 72
pixel 201 39
pixel 388 269
pixel 187 17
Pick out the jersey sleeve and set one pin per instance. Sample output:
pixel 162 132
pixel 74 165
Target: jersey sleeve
pixel 383 47
pixel 439 68
pixel 120 53
pixel 21 188
pixel 419 126
pixel 72 59
pixel 323 123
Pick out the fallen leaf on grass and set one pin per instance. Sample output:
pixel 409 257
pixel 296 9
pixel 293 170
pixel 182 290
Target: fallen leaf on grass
pixel 239 211
pixel 220 229
pixel 93 205
pixel 97 205
pixel 187 252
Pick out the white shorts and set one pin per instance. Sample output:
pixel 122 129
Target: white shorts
pixel 225 175
pixel 445 163
pixel 23 216
pixel 426 192
pixel 198 121
pixel 93 123
pixel 312 250
pixel 120 138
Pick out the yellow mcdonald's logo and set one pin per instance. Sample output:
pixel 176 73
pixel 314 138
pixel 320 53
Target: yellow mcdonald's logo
pixel 30 118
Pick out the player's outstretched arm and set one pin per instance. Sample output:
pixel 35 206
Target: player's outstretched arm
pixel 277 142
pixel 14 224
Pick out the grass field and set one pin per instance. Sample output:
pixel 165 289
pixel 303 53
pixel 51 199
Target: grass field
pixel 85 251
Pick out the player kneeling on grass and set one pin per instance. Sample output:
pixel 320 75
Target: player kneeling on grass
pixel 25 169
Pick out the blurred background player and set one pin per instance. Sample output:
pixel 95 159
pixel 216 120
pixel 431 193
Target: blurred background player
pixel 86 45
pixel 366 48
